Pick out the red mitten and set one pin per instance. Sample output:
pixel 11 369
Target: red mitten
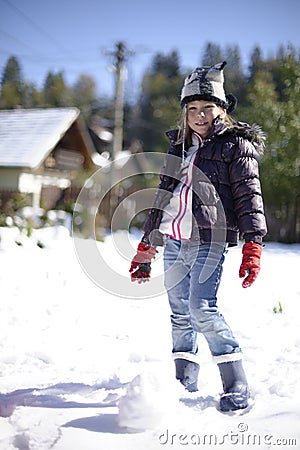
pixel 140 265
pixel 250 263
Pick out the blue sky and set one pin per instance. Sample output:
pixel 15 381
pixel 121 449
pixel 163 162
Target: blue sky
pixel 77 36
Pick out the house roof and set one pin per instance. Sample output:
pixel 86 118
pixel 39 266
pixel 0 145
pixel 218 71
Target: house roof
pixel 28 135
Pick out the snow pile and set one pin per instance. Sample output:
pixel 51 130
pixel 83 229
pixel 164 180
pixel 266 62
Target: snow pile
pixel 148 400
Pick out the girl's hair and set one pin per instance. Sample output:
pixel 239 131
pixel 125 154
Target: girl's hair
pixel 184 129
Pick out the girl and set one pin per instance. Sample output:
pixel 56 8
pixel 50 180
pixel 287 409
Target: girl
pixel 209 194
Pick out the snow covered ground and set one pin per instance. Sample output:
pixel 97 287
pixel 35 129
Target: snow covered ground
pixel 83 368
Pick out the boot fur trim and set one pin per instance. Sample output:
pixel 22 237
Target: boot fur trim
pixel 186 355
pixel 230 357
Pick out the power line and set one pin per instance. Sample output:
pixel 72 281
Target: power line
pixel 34 25
pixel 13 38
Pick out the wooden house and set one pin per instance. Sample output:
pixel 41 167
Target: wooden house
pixel 42 152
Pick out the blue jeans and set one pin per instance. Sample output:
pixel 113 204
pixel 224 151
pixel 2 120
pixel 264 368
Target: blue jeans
pixel 192 278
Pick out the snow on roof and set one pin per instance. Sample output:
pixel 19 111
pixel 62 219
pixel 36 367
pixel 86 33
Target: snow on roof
pixel 28 135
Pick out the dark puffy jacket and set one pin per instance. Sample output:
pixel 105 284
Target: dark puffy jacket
pixel 227 199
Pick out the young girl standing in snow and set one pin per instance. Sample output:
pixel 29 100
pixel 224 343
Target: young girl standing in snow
pixel 209 193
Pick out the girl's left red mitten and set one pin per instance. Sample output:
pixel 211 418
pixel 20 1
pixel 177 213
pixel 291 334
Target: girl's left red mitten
pixel 140 268
pixel 250 263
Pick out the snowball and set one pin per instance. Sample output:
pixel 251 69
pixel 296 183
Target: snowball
pixel 147 400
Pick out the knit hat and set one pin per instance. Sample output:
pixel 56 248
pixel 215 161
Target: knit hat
pixel 206 83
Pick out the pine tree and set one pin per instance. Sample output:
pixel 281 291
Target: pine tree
pixel 12 85
pixel 273 102
pixel 55 91
pixel 84 95
pixel 212 54
pixel 12 72
pixel 235 79
pixel 159 107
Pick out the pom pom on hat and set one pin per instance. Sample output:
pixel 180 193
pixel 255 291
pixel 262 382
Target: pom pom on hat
pixel 207 83
pixel 232 102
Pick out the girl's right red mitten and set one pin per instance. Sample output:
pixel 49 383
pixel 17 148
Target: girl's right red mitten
pixel 141 263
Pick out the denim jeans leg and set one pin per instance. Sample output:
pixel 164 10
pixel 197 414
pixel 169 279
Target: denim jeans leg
pixel 177 284
pixel 205 276
pixel 192 278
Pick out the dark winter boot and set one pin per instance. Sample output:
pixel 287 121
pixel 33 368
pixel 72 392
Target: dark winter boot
pixel 187 373
pixel 236 391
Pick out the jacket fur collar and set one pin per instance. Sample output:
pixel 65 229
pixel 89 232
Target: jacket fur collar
pixel 252 133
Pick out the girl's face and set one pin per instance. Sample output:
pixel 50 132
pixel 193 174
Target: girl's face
pixel 201 114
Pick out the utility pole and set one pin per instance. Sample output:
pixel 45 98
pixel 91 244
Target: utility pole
pixel 119 99
pixel 120 54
